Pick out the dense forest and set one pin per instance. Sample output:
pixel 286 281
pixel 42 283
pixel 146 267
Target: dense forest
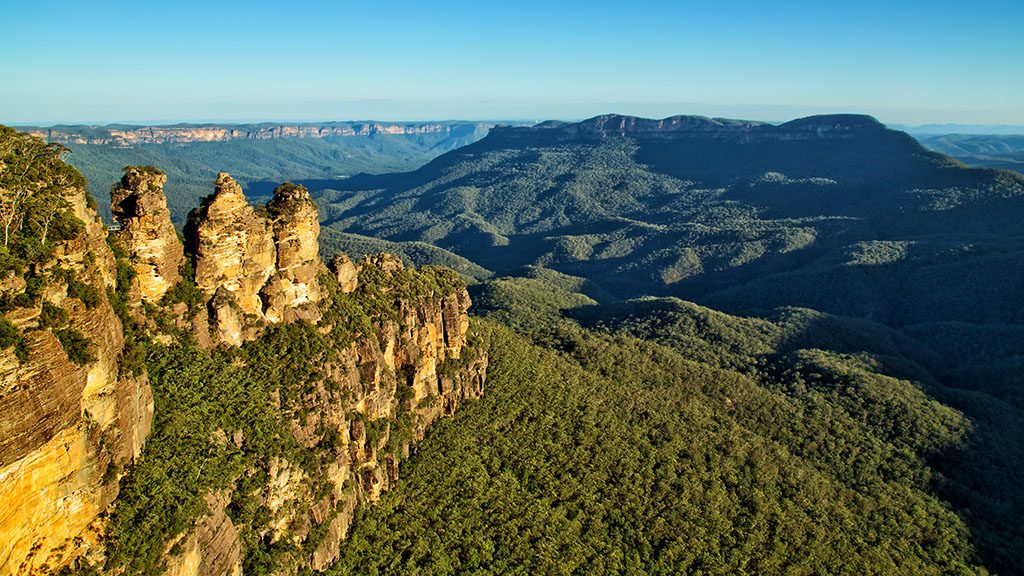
pixel 879 291
pixel 599 452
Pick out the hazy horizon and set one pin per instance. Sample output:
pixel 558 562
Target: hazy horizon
pixel 990 128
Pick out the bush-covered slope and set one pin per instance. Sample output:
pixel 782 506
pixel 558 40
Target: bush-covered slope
pixel 615 455
pixel 835 213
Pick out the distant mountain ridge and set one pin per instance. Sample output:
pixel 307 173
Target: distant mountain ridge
pixel 130 135
pixel 608 125
pixel 983 150
pixel 194 154
pixel 708 209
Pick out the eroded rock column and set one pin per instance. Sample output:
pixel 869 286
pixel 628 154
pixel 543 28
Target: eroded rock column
pixel 139 205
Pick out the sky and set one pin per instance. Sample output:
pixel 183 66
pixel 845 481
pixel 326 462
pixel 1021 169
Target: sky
pixel 905 62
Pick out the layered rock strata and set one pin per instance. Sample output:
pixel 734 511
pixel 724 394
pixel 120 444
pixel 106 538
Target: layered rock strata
pixel 139 206
pixel 70 428
pixel 375 399
pixel 256 265
pixel 67 431
pixel 183 134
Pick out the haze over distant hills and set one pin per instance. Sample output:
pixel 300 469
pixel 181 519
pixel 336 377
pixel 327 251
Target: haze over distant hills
pixel 193 154
pixel 126 135
pixel 987 150
pixel 939 129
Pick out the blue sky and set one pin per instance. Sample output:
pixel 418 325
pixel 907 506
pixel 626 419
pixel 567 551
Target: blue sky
pixel 904 62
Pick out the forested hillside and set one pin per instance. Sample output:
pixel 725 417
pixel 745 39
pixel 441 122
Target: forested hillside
pixel 880 346
pixel 727 448
pixel 833 213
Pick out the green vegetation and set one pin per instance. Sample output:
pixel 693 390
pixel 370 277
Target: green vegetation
pixel 34 214
pixel 11 337
pixel 76 346
pixel 615 455
pixel 415 253
pixel 868 244
pixel 874 226
pixel 863 415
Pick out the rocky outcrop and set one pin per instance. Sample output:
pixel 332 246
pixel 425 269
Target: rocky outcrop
pixel 212 547
pixel 376 398
pixel 75 410
pixel 293 290
pixel 345 272
pixel 156 253
pixel 67 430
pixel 256 265
pixel 234 257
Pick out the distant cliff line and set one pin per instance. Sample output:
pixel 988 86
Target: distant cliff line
pixel 131 135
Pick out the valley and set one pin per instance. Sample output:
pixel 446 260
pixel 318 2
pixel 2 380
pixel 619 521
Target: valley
pixel 710 346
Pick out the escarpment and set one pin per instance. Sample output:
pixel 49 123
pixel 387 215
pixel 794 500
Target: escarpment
pixel 218 407
pixel 387 359
pixel 126 136
pixel 391 353
pixel 73 414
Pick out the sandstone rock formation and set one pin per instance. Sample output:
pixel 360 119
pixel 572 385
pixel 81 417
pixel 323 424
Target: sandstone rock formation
pixel 71 425
pixel 234 247
pixel 139 205
pixel 293 291
pixel 256 265
pixel 413 368
pixel 67 431
pixel 345 272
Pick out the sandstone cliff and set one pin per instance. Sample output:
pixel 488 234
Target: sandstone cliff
pixel 68 428
pixel 373 400
pixel 180 134
pixel 340 373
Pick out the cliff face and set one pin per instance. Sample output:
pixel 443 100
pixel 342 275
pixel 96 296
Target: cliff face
pixel 375 397
pixel 386 351
pixel 181 134
pixel 252 265
pixel 67 429
pixel 140 207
